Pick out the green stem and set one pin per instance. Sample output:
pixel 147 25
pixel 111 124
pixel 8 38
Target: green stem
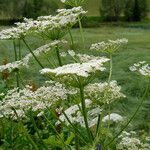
pixel 132 117
pixel 111 68
pixel 58 56
pixel 76 142
pixel 74 128
pixel 32 53
pixel 37 130
pixel 16 58
pixel 25 131
pixel 84 112
pixel 71 37
pixel 109 79
pixel 20 50
pixel 56 132
pixel 81 31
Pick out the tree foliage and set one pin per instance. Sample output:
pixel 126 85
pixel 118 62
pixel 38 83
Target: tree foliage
pixel 132 10
pixel 15 9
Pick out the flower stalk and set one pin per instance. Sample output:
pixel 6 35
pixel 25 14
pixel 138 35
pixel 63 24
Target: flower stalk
pixel 32 53
pixel 133 116
pixel 84 112
pixel 16 58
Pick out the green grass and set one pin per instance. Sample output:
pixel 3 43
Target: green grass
pixel 138 49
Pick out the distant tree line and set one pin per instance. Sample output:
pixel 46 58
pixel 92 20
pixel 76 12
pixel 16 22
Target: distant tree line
pixel 26 8
pixel 110 10
pixel 130 10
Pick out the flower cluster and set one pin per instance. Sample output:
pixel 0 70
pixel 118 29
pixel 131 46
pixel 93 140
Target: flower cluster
pixel 80 57
pixel 104 93
pixel 110 46
pixel 113 117
pixel 142 67
pixel 12 66
pixel 76 69
pixel 24 61
pixel 75 115
pixel 64 19
pixel 130 141
pixel 27 99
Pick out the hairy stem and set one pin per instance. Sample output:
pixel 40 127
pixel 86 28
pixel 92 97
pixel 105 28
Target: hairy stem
pixel 71 37
pixel 132 117
pixel 16 58
pixel 37 131
pixel 81 32
pixel 109 79
pixel 58 56
pixel 84 112
pixel 32 53
pixel 26 132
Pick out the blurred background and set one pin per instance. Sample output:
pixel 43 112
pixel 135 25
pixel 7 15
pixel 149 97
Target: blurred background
pixel 98 10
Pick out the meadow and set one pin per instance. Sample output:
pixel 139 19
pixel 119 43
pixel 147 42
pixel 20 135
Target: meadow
pixel 74 106
pixel 137 49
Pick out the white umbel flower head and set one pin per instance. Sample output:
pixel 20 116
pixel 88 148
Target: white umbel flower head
pixel 81 70
pixel 23 100
pixel 110 46
pixel 142 67
pixel 104 93
pixel 114 117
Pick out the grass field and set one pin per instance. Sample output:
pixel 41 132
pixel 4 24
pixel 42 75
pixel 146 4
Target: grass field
pixel 138 49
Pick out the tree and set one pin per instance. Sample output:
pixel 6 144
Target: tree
pixel 135 10
pixel 111 9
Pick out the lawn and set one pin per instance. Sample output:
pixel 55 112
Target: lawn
pixel 138 49
pixel 133 85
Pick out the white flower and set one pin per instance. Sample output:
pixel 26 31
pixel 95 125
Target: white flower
pixel 103 93
pixel 71 53
pixel 12 66
pixel 75 116
pixel 24 61
pixel 23 100
pixel 131 141
pixel 142 67
pixel 113 118
pixel 77 69
pixel 110 46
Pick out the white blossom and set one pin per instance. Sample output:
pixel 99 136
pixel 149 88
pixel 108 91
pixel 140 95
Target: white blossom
pixel 113 117
pixel 142 67
pixel 75 116
pixel 129 141
pixel 12 66
pixel 22 100
pixel 77 69
pixel 104 93
pixel 110 46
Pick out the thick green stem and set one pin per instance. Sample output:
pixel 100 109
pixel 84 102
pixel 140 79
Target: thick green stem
pixel 32 53
pixel 71 37
pixel 111 68
pixel 76 142
pixel 109 79
pixel 37 131
pixel 84 112
pixel 56 132
pixel 81 32
pixel 132 117
pixel 58 56
pixel 25 131
pixel 16 58
pixel 74 128
pixel 20 50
